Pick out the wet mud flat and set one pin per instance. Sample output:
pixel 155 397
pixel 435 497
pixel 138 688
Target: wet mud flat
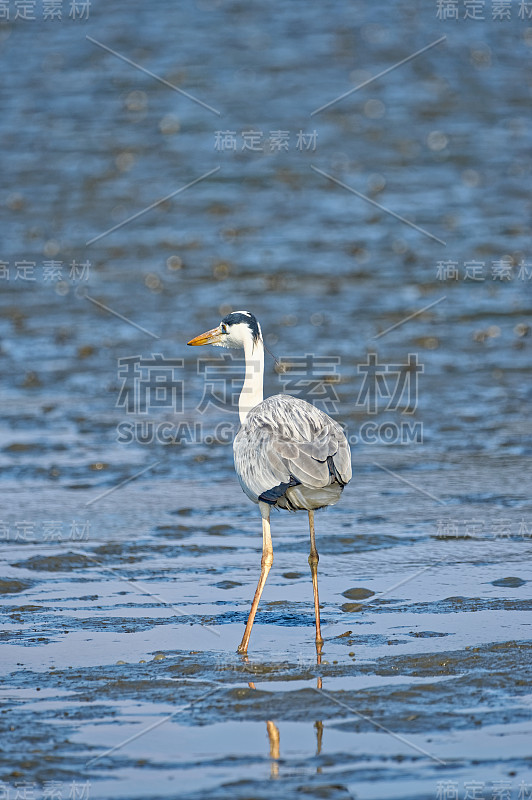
pixel 122 670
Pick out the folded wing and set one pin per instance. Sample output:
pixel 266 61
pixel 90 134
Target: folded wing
pixel 286 442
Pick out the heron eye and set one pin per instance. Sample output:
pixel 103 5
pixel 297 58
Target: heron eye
pixel 224 328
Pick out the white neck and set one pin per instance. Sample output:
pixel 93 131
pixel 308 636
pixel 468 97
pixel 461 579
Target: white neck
pixel 251 394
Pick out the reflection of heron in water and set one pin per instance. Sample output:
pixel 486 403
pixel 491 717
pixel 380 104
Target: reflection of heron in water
pixel 274 737
pixel 287 453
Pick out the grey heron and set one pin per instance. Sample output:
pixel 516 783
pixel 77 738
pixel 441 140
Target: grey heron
pixel 288 454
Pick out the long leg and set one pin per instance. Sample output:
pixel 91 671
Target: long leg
pixel 265 564
pixel 313 562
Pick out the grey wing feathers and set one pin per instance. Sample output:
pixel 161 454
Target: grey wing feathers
pixel 285 440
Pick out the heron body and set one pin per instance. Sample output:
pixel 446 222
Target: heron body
pixel 288 454
pixel 291 455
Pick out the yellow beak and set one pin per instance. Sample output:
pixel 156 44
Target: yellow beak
pixel 209 337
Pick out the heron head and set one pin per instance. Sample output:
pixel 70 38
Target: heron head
pixel 235 330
